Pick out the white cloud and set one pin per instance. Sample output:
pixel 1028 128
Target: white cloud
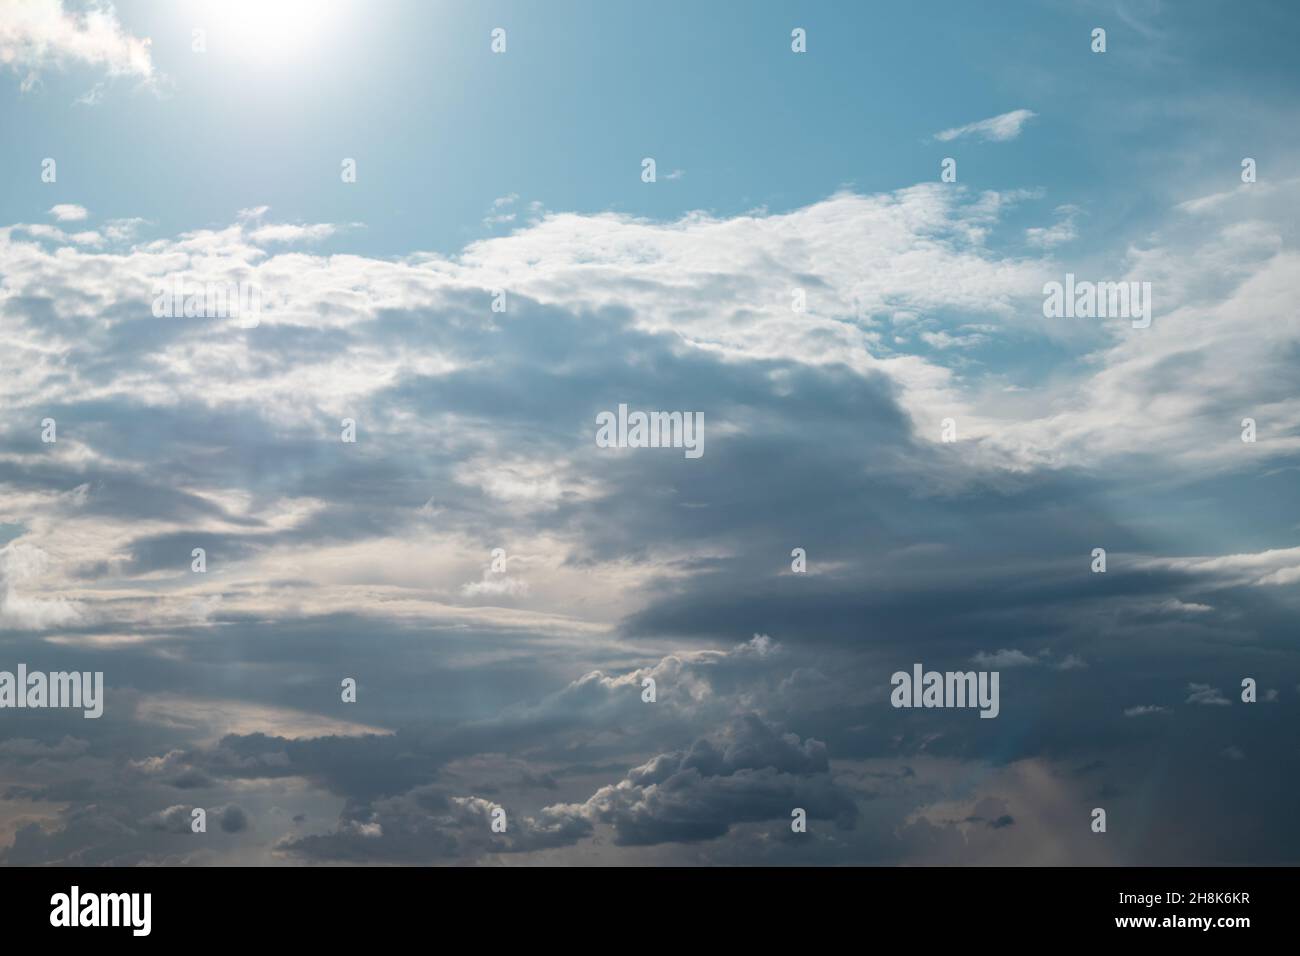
pixel 718 288
pixel 1003 658
pixel 996 128
pixel 121 230
pixel 1276 566
pixel 1207 695
pixel 1143 710
pixel 944 340
pixel 1010 657
pixel 722 286
pixel 495 586
pixel 1062 232
pixel 35 34
pixel 500 213
pixel 1214 353
pixel 23 564
pixel 68 212
pixel 284 233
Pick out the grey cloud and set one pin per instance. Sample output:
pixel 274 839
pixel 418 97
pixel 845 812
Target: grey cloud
pixel 753 772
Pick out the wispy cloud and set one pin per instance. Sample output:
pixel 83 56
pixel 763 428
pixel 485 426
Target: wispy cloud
pixel 995 129
pixel 1007 657
pixel 1063 231
pixel 1205 694
pixel 1143 710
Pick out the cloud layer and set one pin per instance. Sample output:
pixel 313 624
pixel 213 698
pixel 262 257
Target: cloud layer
pixel 824 346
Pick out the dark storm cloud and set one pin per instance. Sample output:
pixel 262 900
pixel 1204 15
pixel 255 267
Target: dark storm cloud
pixel 751 772
pixel 233 819
pixel 917 551
pixel 426 825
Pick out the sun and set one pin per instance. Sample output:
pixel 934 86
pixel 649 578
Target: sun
pixel 268 30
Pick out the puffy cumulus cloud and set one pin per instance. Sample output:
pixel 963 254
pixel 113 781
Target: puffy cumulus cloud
pixel 68 212
pixel 725 285
pixel 751 772
pixel 721 287
pixel 171 768
pixel 39 34
pixel 426 825
pixel 174 819
pixel 595 717
pixel 402 806
pixel 287 233
pixel 882 275
pixel 22 566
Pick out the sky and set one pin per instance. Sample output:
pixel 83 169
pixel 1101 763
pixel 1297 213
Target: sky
pixel 431 604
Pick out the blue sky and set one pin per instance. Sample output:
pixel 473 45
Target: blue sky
pixel 441 127
pixel 517 685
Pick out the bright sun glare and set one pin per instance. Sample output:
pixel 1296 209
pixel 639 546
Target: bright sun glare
pixel 272 29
